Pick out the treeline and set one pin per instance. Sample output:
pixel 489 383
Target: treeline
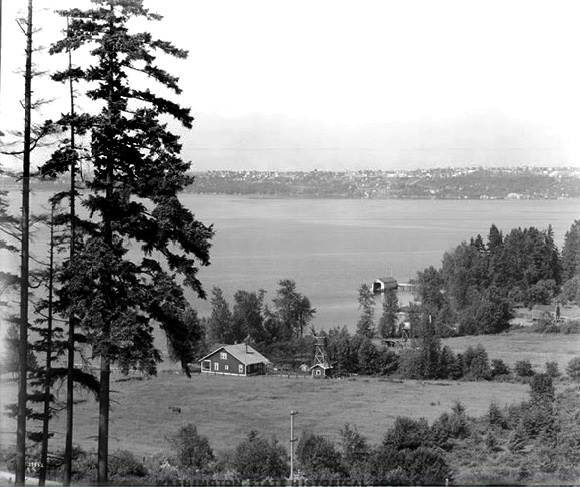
pixel 532 441
pixel 481 281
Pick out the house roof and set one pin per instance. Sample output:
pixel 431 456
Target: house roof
pixel 243 352
pixel 322 366
pixel 388 281
pixel 544 307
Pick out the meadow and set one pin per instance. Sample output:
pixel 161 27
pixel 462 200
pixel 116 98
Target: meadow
pixel 226 408
pixel 523 345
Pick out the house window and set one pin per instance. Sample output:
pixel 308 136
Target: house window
pixel 206 365
pixel 216 366
pixel 226 367
pixel 318 372
pixel 223 355
pixel 241 369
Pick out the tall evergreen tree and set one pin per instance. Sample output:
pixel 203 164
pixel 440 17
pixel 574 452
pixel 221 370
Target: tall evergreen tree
pixel 138 172
pixel 571 252
pixel 220 320
pixel 366 303
pixel 387 324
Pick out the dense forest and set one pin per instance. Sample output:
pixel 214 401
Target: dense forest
pixel 480 282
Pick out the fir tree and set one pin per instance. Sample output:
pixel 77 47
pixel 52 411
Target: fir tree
pixel 571 251
pixel 219 322
pixel 132 198
pixel 388 322
pixel 366 303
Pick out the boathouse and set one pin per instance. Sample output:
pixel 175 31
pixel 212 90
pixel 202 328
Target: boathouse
pixel 385 284
pixel 240 359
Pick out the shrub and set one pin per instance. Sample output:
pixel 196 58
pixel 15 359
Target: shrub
pixel 495 416
pixel 542 292
pixel 476 363
pixel 388 362
pixel 192 450
pixel 408 433
pixel 571 290
pixel 449 366
pixel 573 369
pixel 552 369
pixel 498 368
pixel 385 467
pixel 319 458
pixel 426 466
pixel 523 368
pixel 355 449
pixel 411 364
pixel 257 459
pixel 123 465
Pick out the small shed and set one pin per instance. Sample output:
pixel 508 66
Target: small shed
pixel 240 359
pixel 384 284
pixel 320 371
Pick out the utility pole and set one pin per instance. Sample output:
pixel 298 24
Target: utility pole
pixel 24 263
pixel 292 440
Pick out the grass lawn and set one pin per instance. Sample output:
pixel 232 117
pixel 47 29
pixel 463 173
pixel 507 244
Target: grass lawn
pixel 226 408
pixel 517 345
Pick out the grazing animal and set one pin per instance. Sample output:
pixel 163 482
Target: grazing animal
pixel 175 409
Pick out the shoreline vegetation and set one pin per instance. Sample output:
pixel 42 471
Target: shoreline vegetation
pixel 472 183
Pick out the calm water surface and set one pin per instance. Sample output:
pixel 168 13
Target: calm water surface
pixel 330 247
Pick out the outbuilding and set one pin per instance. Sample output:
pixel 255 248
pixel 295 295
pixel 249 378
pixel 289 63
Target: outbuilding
pixel 385 284
pixel 320 371
pixel 240 359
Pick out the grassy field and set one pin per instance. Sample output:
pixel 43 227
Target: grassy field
pixel 226 408
pixel 523 345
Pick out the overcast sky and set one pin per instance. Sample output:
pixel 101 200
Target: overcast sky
pixel 337 84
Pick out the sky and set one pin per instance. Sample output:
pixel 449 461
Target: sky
pixel 352 84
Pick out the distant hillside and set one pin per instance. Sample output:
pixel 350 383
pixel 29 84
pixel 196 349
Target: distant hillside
pixel 465 183
pixel 442 183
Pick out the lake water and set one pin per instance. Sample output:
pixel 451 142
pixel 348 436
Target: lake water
pixel 330 247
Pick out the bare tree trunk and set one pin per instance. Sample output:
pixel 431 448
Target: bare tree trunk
pixel 104 406
pixel 47 378
pixel 71 319
pixel 23 335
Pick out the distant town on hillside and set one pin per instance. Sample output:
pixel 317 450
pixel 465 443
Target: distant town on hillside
pixel 440 183
pixel 523 182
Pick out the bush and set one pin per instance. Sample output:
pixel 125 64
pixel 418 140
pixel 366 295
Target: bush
pixel 408 433
pixel 495 416
pixel 542 292
pixel 523 368
pixel 476 363
pixel 571 290
pixel 411 364
pixel 319 458
pixel 257 459
pixel 192 451
pixel 124 466
pixel 552 369
pixel 426 466
pixel 449 426
pixel 499 368
pixel 573 369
